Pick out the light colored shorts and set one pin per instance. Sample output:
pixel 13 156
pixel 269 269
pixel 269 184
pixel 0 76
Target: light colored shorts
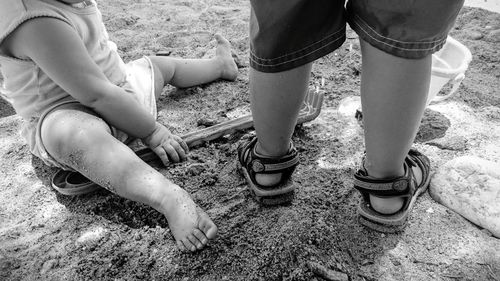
pixel 140 82
pixel 285 34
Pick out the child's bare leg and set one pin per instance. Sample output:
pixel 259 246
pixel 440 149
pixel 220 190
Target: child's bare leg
pixel 393 92
pixel 276 99
pixel 75 137
pixel 191 72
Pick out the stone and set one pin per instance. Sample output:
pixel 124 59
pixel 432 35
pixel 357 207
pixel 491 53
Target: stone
pixel 470 186
pixel 48 265
pixel 326 273
pixel 475 35
pixel 91 237
pixel 195 169
pixel 494 36
pixel 456 143
pixel 206 122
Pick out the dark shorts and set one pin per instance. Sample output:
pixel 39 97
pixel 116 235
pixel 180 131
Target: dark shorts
pixel 285 34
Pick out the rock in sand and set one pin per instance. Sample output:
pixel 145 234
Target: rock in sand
pixel 470 186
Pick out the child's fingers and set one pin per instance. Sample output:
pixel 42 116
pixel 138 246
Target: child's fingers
pixel 182 143
pixel 179 149
pixel 172 153
pixel 162 154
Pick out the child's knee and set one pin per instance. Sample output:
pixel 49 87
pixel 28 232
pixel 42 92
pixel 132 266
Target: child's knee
pixel 63 132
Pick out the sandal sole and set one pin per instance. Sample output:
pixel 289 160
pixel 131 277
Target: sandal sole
pixel 270 197
pixel 283 199
pixel 61 184
pixel 380 224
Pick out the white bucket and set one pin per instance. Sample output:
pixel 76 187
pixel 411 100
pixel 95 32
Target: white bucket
pixel 448 66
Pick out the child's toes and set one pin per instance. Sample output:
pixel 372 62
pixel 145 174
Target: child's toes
pixel 208 227
pixel 195 242
pixel 188 244
pixel 181 246
pixel 201 237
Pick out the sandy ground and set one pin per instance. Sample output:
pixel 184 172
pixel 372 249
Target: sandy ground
pixel 47 236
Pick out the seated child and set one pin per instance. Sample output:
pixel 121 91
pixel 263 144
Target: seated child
pixel 81 103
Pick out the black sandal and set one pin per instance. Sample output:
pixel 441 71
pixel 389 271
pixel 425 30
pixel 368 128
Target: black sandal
pixel 72 183
pixel 404 186
pixel 252 164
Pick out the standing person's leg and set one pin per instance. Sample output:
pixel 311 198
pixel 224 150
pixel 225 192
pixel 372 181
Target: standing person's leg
pixel 397 38
pixel 286 37
pixel 276 99
pixel 393 95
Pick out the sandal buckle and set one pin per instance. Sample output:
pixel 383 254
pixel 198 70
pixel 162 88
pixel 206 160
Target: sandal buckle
pixel 257 166
pixel 400 184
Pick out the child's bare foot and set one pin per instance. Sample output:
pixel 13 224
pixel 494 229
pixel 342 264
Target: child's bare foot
pixel 389 206
pixel 223 52
pixel 191 227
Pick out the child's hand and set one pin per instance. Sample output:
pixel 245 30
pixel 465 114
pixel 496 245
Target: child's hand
pixel 169 147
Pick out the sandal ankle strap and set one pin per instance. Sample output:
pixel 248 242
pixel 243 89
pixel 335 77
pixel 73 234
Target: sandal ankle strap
pixel 258 164
pixel 269 165
pixel 398 186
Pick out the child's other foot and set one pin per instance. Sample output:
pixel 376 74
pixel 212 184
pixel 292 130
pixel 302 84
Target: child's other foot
pixel 190 226
pixel 388 206
pixel 223 52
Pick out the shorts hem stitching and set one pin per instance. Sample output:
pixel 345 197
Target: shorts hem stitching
pixel 257 61
pixel 367 30
pixel 257 58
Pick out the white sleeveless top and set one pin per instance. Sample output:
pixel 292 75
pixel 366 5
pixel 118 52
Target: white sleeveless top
pixel 30 91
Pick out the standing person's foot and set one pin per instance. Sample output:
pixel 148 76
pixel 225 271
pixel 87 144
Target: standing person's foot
pixel 387 202
pixel 388 206
pixel 190 226
pixel 223 53
pixel 269 178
